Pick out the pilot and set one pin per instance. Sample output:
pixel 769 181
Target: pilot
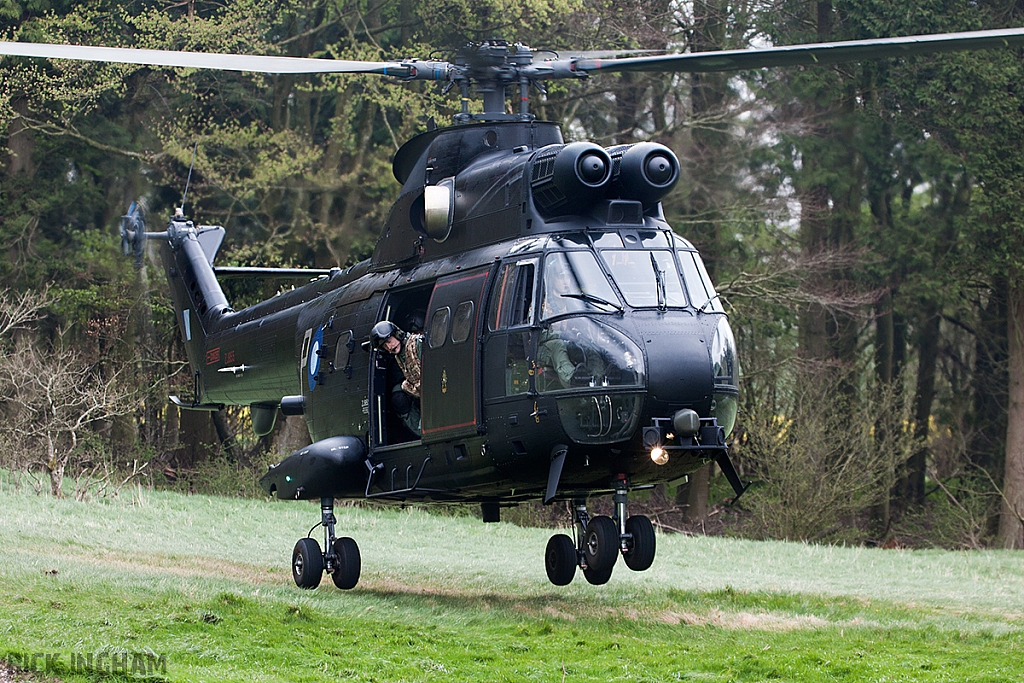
pixel 557 283
pixel 408 352
pixel 557 370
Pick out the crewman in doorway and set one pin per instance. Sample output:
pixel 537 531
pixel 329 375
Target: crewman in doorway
pixel 408 352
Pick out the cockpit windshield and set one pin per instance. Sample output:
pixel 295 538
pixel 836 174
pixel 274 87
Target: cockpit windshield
pixel 573 282
pixel 583 353
pixel 646 278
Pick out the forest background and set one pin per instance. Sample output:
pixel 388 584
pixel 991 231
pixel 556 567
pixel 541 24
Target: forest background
pixel 862 222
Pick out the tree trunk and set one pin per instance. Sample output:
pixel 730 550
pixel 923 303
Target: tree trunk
pixel 290 435
pixel 928 354
pixel 990 382
pixel 55 468
pixel 1011 528
pixel 704 202
pixel 198 439
pixel 227 438
pixel 881 511
pixel 813 342
pixel 21 142
pixel 694 495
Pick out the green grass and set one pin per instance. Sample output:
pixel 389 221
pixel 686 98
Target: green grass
pixel 204 582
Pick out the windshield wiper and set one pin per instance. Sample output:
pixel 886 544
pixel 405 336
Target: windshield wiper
pixel 583 296
pixel 707 303
pixel 660 278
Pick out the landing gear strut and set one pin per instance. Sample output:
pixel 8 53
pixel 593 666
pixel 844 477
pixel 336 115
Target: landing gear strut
pixel 599 540
pixel 341 560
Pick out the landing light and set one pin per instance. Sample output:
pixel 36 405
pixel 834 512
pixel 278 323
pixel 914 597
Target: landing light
pixel 659 455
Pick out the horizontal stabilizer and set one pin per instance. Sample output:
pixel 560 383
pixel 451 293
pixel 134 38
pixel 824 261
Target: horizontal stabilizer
pixel 234 272
pixel 188 405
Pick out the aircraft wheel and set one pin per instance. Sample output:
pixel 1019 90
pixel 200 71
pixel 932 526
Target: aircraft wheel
pixel 597 578
pixel 601 545
pixel 346 563
pixel 560 560
pixel 640 555
pixel 307 563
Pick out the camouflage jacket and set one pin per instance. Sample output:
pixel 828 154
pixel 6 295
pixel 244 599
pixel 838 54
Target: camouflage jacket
pixel 409 359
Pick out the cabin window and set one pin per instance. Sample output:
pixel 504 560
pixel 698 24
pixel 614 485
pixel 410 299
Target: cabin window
pixel 682 242
pixel 521 303
pixel 646 278
pixel 512 299
pixel 573 282
pixel 439 327
pixel 462 322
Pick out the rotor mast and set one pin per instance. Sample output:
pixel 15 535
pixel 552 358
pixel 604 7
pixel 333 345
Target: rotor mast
pixel 490 68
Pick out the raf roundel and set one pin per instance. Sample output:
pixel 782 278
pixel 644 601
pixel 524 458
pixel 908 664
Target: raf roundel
pixel 313 366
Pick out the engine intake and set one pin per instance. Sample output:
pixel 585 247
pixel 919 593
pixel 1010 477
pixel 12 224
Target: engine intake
pixel 644 172
pixel 567 179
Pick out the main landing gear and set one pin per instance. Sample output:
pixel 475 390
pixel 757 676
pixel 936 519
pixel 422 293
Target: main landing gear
pixel 341 560
pixel 599 541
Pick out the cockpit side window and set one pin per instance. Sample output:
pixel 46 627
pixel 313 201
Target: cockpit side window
pixel 698 283
pixel 716 304
pixel 521 303
pixel 512 299
pixel 498 299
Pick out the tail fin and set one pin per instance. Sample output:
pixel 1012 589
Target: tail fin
pixel 187 256
pixel 187 253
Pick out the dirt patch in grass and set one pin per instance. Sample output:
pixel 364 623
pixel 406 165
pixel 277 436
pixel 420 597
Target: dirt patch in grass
pixel 186 566
pixel 10 674
pixel 570 610
pixel 747 621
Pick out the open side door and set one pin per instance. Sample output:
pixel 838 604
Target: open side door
pixel 450 389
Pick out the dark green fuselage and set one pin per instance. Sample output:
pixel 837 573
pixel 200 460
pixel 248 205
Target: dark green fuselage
pixel 645 334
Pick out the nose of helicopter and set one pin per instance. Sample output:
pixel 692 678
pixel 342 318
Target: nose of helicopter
pixel 680 374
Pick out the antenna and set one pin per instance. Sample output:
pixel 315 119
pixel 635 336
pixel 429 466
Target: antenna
pixel 188 180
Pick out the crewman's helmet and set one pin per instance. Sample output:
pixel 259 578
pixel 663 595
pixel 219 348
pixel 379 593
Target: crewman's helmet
pixel 381 331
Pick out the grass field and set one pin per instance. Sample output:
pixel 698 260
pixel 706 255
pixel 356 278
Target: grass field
pixel 203 582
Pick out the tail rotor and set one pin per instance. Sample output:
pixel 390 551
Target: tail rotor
pixel 133 233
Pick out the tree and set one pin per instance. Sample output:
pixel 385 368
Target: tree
pixel 51 396
pixel 971 102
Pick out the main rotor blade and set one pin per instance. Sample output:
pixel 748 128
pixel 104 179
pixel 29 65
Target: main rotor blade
pixel 202 60
pixel 602 54
pixel 814 53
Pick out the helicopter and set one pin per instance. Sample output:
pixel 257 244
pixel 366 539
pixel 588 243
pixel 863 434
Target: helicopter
pixel 573 345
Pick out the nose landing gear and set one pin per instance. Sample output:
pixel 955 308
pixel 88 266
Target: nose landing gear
pixel 341 560
pixel 599 541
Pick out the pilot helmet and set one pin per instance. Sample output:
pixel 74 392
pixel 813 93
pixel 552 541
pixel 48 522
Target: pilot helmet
pixel 381 331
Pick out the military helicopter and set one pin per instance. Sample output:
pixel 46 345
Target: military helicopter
pixel 573 345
